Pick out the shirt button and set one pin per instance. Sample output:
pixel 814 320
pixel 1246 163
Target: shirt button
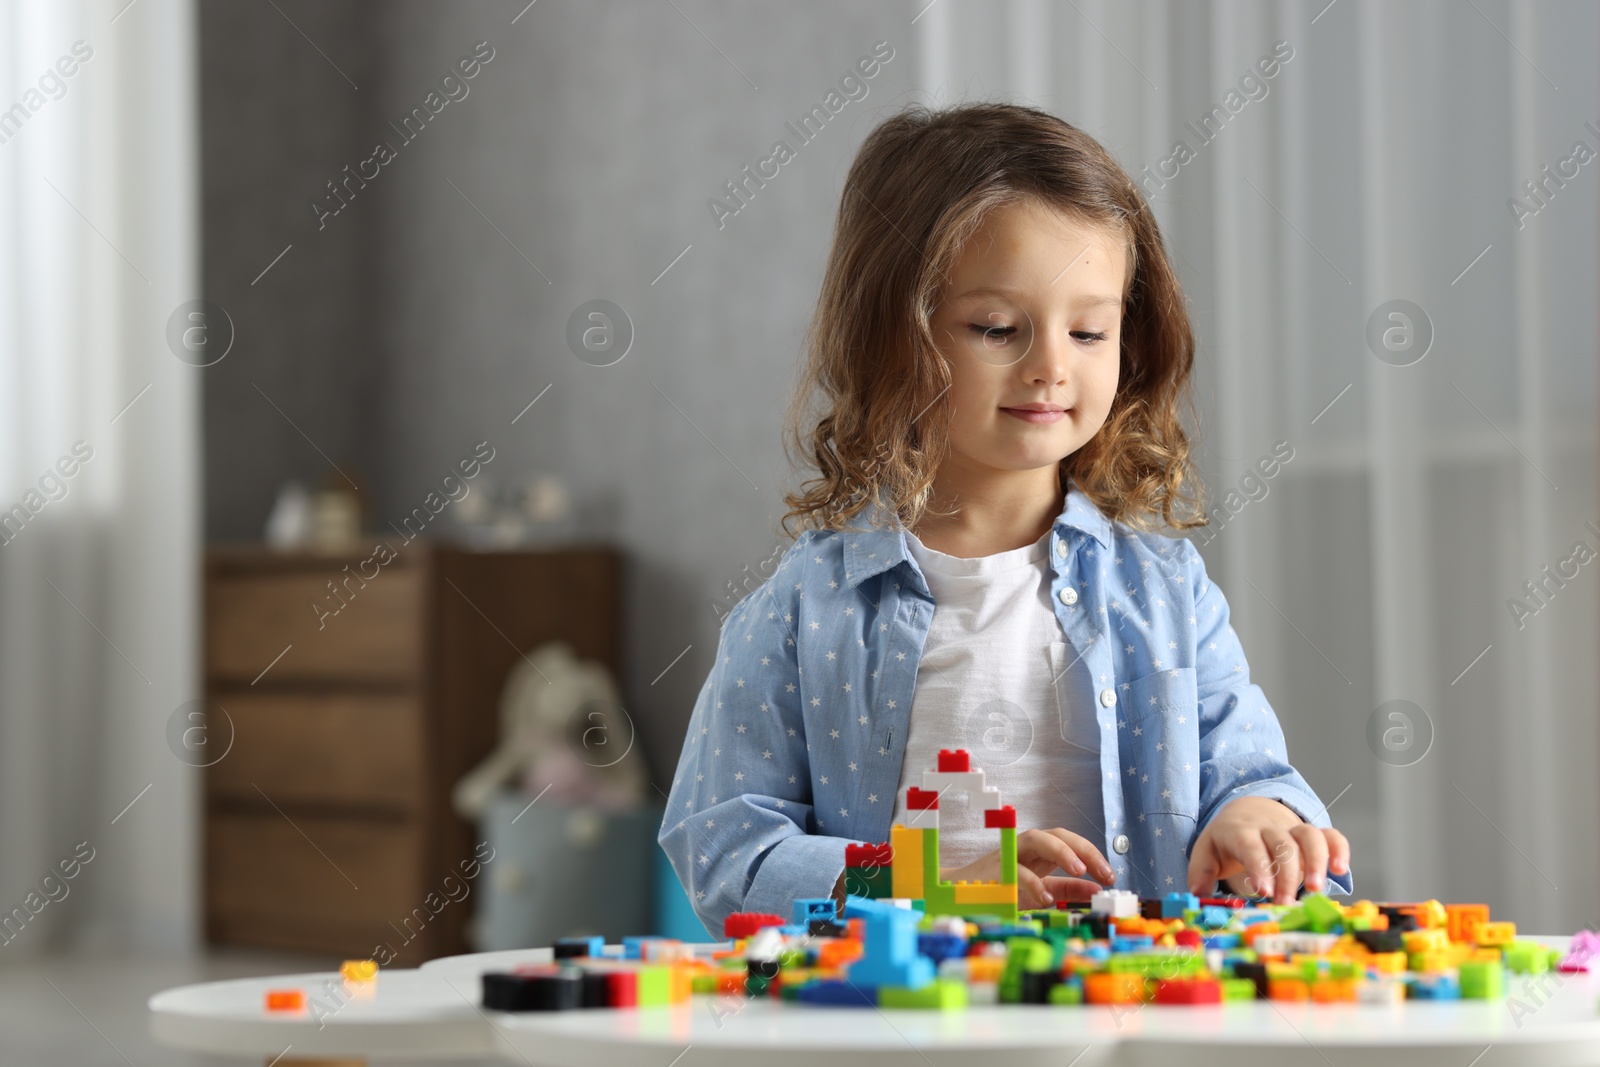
pixel 1120 843
pixel 1061 548
pixel 1069 595
pixel 1108 697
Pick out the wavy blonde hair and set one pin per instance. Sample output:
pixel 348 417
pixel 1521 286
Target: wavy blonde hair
pixel 921 185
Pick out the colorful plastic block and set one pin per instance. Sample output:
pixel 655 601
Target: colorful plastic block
pixel 286 1000
pixel 359 970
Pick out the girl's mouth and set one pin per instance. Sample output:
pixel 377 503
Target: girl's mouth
pixel 1035 416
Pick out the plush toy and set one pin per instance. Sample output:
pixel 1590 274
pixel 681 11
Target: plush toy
pixel 564 733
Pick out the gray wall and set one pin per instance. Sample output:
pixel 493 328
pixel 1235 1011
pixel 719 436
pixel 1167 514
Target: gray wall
pixel 409 328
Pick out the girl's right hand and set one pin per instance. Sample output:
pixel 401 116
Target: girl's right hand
pixel 1040 852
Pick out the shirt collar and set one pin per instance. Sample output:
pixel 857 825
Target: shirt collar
pixel 882 544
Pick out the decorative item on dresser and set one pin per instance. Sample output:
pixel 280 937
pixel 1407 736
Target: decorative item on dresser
pixel 360 686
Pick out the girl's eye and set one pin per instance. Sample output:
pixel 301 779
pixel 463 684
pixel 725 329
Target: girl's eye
pixel 992 333
pixel 996 333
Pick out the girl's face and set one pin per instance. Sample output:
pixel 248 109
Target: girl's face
pixel 1031 327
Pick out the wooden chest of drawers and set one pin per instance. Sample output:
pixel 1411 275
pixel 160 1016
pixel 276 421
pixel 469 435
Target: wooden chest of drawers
pixel 358 694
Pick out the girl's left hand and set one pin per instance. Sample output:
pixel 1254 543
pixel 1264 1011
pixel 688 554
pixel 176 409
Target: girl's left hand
pixel 1270 846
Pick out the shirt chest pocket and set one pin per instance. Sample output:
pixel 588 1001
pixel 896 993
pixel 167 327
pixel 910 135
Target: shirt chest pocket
pixel 1077 708
pixel 1160 743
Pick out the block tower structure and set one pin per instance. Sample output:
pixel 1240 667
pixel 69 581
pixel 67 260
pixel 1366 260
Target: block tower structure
pixel 912 852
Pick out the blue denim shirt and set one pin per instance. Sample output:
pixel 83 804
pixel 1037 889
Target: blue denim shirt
pixel 795 744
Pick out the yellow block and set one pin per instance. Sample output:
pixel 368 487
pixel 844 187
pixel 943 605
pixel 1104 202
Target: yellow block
pixel 907 873
pixel 1431 940
pixel 1498 933
pixel 985 893
pixel 1389 962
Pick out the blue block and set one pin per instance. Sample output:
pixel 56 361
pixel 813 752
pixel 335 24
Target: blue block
pixel 1433 987
pixel 941 947
pixel 808 908
pixel 1215 915
pixel 837 992
pixel 1130 942
pixel 1220 941
pixel 592 946
pixel 1173 905
pixel 891 947
pixel 631 946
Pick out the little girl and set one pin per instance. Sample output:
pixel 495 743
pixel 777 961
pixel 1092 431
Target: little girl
pixel 1000 348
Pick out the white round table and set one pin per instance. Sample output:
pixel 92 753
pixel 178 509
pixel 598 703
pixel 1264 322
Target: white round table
pixel 433 1011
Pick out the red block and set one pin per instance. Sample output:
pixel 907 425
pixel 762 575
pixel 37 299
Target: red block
pixel 742 924
pixel 1187 938
pixel 922 799
pixel 622 989
pixel 1000 818
pixel 880 854
pixel 1223 902
pixel 954 761
pixel 1188 991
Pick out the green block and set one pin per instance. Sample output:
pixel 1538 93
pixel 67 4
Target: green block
pixel 654 986
pixel 1295 918
pixel 703 983
pixel 1025 954
pixel 1008 855
pixel 1067 992
pixel 757 985
pixel 874 883
pixel 943 994
pixel 1157 964
pixel 1358 922
pixel 1526 957
pixel 1322 914
pixel 1481 980
pixel 1342 969
pixel 1238 989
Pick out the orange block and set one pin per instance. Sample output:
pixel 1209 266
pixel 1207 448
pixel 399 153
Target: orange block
pixel 1288 989
pixel 985 968
pixel 731 981
pixel 838 952
pixel 286 1000
pixel 1333 990
pixel 1460 918
pixel 1118 988
pixel 680 982
pixel 1256 930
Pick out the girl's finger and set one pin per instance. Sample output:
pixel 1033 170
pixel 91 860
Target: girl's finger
pixel 1252 855
pixel 1083 850
pixel 1314 855
pixel 1286 862
pixel 1042 845
pixel 1031 891
pixel 1205 866
pixel 1338 851
pixel 1074 890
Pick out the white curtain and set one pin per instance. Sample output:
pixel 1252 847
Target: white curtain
pixel 1386 159
pixel 98 437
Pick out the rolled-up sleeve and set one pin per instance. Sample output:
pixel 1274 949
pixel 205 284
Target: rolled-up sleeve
pixel 1242 747
pixel 739 826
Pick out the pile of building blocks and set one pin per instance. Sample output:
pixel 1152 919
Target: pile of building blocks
pixel 907 938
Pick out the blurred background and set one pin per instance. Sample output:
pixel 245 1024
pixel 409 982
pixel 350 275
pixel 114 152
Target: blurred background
pixel 390 397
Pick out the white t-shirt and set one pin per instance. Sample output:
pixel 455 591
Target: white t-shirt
pixel 991 681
